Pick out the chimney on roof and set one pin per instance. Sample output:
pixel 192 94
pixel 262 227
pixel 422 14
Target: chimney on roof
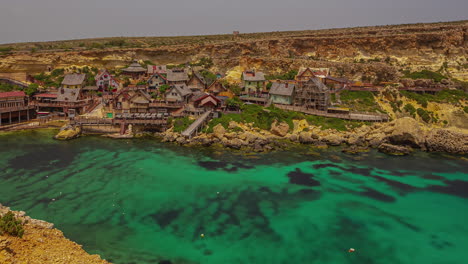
pixel 62 91
pixel 286 84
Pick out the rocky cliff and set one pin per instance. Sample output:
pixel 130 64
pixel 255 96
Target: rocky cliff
pixel 41 244
pixel 354 52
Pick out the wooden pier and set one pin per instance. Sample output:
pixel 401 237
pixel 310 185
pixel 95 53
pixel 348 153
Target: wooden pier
pixel 196 126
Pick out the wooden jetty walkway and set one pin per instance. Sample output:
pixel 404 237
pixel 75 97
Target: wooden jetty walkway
pixel 357 116
pixel 197 125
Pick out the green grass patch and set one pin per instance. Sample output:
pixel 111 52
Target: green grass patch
pixel 263 118
pixel 425 74
pixel 359 101
pixel 334 123
pixel 444 96
pixel 290 75
pixel 180 124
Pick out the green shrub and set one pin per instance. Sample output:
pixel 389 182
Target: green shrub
pixel 425 74
pixel 395 107
pixel 10 225
pixel 410 109
pixel 444 96
pixel 424 115
pixel 359 100
pixel 6 87
pixel 163 88
pixel 465 109
pixel 290 75
pixel 180 124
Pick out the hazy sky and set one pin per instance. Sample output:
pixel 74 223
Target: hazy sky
pixel 42 20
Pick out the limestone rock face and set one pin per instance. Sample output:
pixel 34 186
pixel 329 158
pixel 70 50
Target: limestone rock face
pixel 235 143
pixel 305 138
pixel 406 131
pixel 447 141
pixel 280 129
pixel 233 124
pixel 68 132
pixel 219 131
pixel 333 139
pixel 300 125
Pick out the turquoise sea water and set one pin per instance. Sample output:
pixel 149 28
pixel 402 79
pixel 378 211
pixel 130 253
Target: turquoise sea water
pixel 142 201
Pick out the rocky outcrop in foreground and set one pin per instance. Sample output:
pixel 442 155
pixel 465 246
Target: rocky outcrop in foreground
pixel 68 132
pixel 41 244
pixel 399 137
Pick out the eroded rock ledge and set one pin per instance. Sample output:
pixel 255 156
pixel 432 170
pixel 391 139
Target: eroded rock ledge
pixel 41 244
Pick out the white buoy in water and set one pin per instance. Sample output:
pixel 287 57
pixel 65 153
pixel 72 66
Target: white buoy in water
pixel 202 235
pixel 351 250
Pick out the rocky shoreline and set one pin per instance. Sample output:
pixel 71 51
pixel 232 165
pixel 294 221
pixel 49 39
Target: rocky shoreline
pixel 41 244
pixel 398 137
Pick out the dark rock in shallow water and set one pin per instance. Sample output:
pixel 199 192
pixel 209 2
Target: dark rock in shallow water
pixel 394 149
pixel 377 195
pixel 457 187
pixel 302 178
pixel 355 150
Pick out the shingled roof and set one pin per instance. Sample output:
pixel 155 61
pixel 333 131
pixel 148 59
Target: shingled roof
pixel 74 79
pixel 253 76
pixel 199 77
pixel 134 67
pixel 281 88
pixel 182 89
pixel 68 95
pixel 12 94
pixel 177 75
pixel 318 72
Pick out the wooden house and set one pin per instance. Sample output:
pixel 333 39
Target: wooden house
pixel 14 107
pixel 305 74
pixel 207 102
pixel 216 87
pixel 253 82
pixel 74 81
pixel 282 93
pixel 313 94
pixel 177 76
pixel 134 71
pixel 152 69
pixel 106 82
pixel 196 83
pixel 131 101
pixel 64 100
pixel 178 93
pixel 156 80
pixel 337 83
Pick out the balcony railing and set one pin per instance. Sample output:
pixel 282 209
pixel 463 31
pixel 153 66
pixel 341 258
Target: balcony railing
pixel 61 104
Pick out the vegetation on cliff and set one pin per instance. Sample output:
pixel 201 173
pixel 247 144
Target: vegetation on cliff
pixel 424 74
pixel 445 96
pixel 263 118
pixel 10 225
pixel 359 101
